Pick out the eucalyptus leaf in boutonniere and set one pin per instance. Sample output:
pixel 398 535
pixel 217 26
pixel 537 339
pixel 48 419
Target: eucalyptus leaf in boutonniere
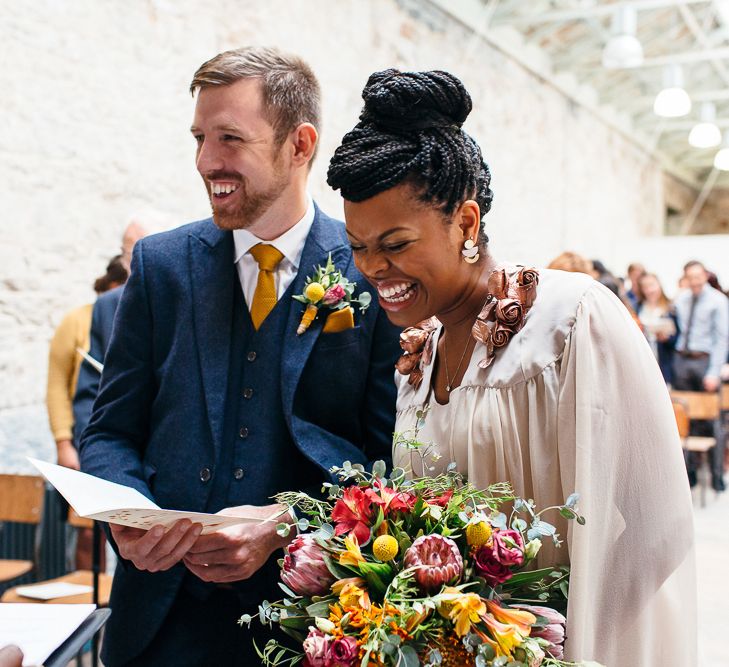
pixel 328 288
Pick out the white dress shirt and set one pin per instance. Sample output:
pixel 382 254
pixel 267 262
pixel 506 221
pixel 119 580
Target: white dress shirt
pixel 290 244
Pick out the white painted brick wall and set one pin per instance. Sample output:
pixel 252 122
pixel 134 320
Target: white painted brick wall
pixel 95 127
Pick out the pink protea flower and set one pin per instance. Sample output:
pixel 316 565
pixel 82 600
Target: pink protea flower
pixel 304 570
pixel 439 560
pixel 316 649
pixel 333 295
pixel 553 632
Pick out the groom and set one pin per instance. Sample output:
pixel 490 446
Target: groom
pixel 209 399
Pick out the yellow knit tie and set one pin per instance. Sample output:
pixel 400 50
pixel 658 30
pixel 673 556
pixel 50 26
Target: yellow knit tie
pixel 264 298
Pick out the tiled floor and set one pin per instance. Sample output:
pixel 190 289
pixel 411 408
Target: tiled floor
pixel 712 556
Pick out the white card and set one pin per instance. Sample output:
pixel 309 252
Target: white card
pixel 57 589
pixel 95 498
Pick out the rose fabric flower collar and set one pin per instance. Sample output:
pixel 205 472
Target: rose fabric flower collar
pixel 510 296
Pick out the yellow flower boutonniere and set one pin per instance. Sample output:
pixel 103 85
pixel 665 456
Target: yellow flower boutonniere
pixel 328 288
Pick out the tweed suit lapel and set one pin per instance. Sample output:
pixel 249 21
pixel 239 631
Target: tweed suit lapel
pixel 296 349
pixel 213 276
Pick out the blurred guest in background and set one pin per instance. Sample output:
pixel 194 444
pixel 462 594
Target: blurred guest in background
pixel 64 361
pixel 572 262
pixel 659 322
pixel 605 277
pixel 635 271
pixel 701 349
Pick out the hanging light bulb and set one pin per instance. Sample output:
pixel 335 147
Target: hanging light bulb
pixel 623 49
pixel 721 159
pixel 705 134
pixel 673 101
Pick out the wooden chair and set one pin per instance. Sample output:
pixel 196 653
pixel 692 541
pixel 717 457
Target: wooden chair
pixel 99 582
pixel 697 405
pixel 21 501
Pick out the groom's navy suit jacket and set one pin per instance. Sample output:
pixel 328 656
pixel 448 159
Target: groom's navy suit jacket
pixel 165 423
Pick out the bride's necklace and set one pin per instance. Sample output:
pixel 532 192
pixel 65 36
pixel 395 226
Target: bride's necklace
pixel 445 360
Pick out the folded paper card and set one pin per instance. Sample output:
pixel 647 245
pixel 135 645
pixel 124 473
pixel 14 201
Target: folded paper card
pixel 99 499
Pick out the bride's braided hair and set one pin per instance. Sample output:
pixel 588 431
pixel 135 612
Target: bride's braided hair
pixel 410 132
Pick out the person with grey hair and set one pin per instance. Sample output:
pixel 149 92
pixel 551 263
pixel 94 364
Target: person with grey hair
pixel 210 399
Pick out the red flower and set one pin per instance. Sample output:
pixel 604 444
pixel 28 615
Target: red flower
pixel 442 500
pixel 344 652
pixel 352 513
pixel 504 552
pixel 389 499
pixel 489 568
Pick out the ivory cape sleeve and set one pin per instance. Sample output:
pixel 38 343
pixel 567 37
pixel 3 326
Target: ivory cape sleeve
pixel 632 589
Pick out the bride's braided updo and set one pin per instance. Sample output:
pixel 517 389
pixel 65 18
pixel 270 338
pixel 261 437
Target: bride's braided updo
pixel 410 132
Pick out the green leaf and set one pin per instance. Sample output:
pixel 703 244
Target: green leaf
pixel 379 469
pixel 319 608
pixel 409 657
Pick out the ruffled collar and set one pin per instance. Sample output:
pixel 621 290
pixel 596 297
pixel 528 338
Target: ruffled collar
pixel 511 293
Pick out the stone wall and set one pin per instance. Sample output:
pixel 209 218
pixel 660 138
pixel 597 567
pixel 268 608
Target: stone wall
pixel 95 128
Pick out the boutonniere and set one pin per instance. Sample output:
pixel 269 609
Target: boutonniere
pixel 328 288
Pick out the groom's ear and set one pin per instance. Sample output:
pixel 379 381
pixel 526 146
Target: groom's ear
pixel 303 141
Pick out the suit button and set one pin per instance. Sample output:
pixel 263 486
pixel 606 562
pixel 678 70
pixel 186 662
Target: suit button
pixel 247 393
pixel 251 356
pixel 205 475
pixel 243 433
pixel 238 473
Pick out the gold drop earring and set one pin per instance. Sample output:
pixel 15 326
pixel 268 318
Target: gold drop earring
pixel 470 251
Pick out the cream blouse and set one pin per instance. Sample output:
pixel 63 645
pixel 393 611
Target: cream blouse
pixel 576 402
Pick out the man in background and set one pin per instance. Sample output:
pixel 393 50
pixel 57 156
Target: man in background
pixel 701 350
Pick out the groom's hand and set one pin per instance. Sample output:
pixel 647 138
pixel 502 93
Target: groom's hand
pixel 155 550
pixel 237 552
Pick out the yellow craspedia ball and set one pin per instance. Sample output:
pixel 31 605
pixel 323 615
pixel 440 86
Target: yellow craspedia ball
pixel 314 292
pixel 385 548
pixel 477 534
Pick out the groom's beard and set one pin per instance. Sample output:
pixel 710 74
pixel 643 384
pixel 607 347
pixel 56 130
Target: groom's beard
pixel 252 204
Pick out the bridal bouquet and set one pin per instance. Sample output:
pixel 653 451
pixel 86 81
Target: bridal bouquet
pixel 427 571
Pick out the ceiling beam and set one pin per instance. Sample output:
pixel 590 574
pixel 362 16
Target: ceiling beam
pixel 579 13
pixel 681 58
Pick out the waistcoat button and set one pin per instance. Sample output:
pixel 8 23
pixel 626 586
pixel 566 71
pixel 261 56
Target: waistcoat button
pixel 251 356
pixel 205 474
pixel 238 473
pixel 243 433
pixel 247 392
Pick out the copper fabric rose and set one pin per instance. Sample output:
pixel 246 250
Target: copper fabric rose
pixel 508 547
pixel 438 561
pixel 343 652
pixel 526 286
pixel 489 568
pixel 510 313
pixel 498 284
pixel 412 340
pixel 406 363
pixel 415 378
pixel 501 335
pixel 304 570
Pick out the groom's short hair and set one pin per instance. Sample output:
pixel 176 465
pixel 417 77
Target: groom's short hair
pixel 290 91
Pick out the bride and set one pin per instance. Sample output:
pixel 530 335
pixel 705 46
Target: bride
pixel 537 378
